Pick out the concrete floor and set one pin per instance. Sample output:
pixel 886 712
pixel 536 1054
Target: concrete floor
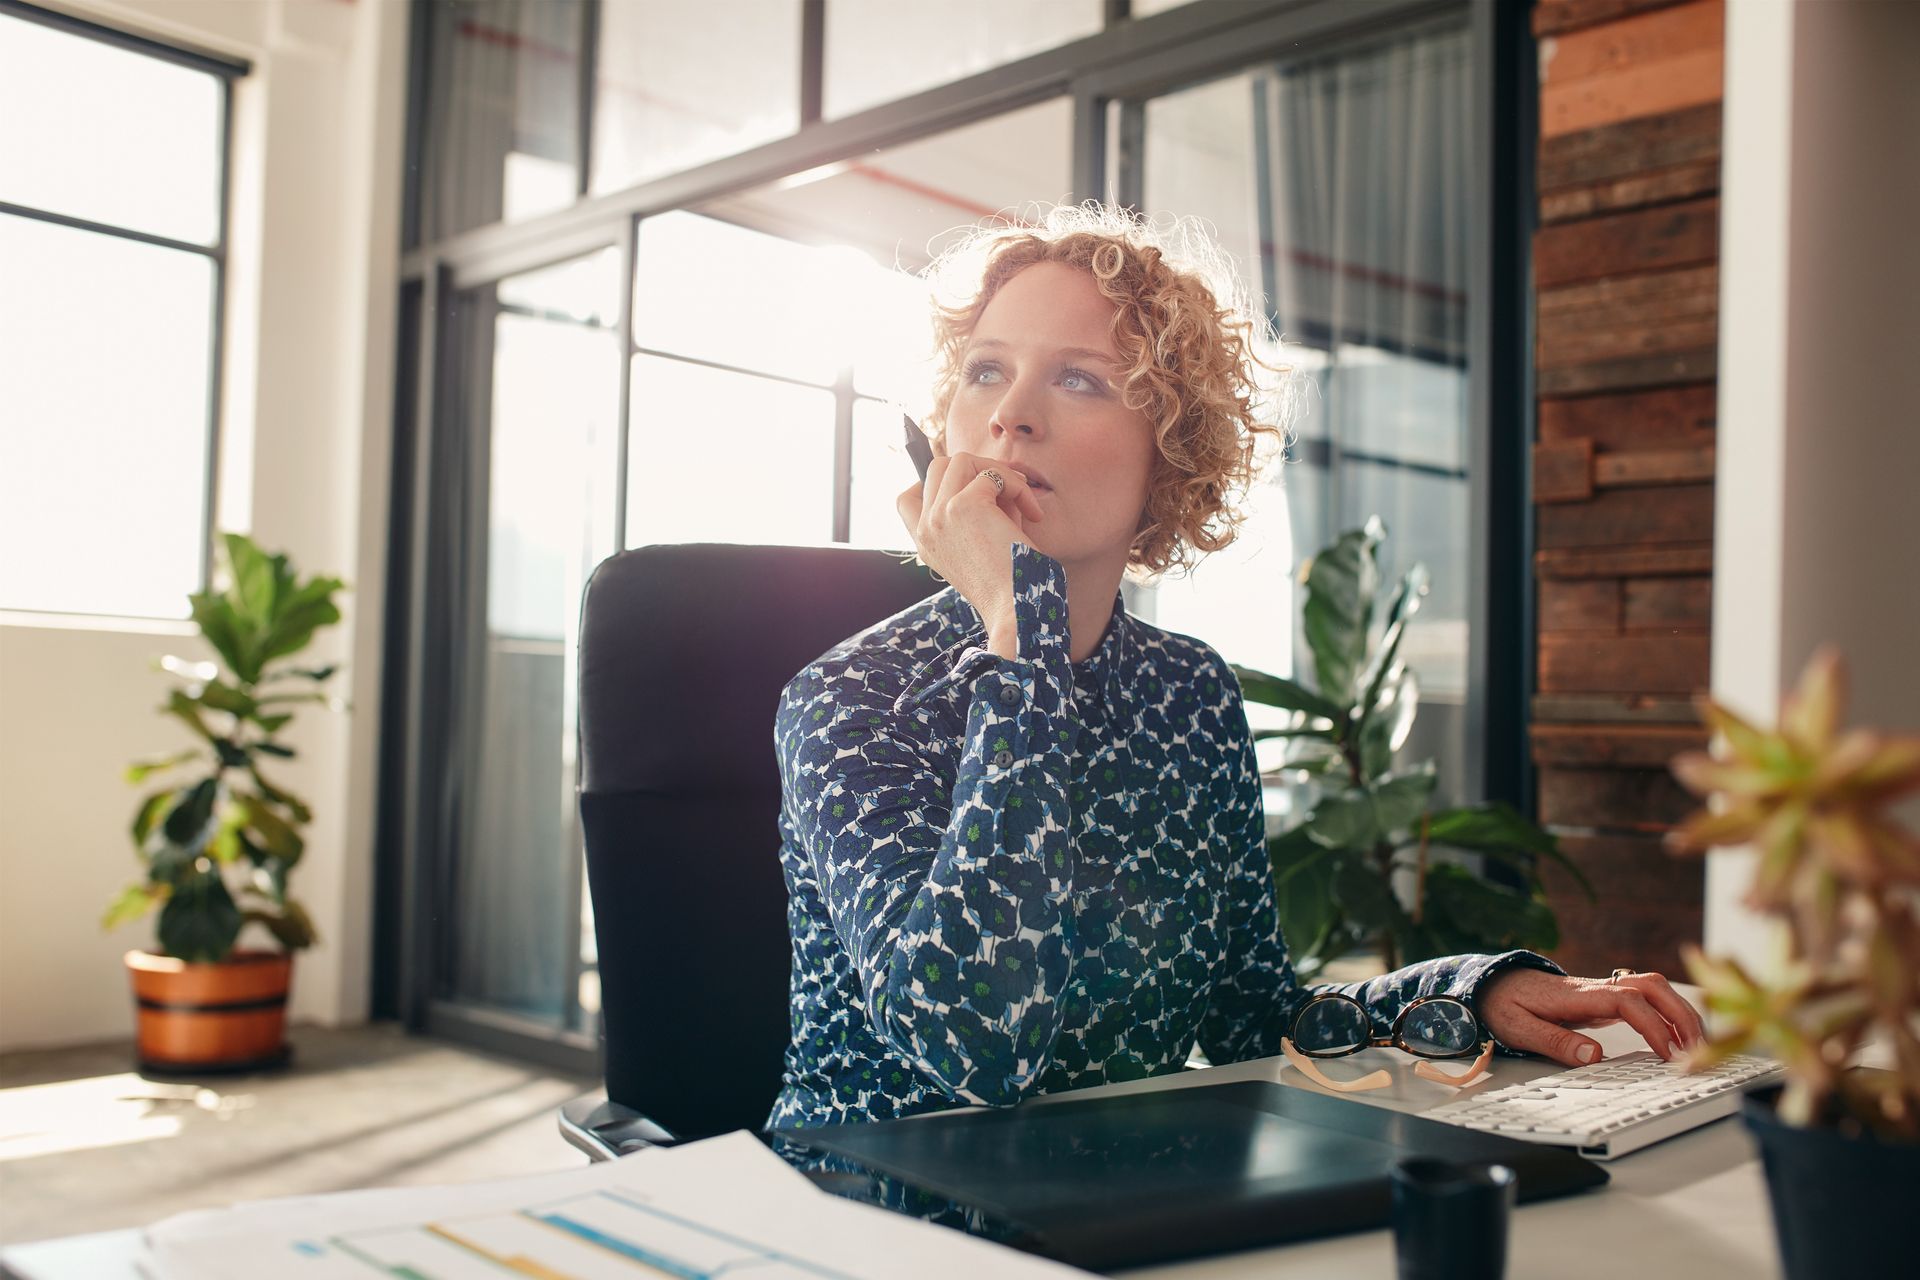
pixel 88 1145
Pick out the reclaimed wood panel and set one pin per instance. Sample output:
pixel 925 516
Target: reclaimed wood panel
pixel 1665 187
pixel 1666 85
pixel 1679 663
pixel 1680 416
pixel 1584 605
pixel 1551 17
pixel 1597 938
pixel 1610 343
pixel 1563 471
pixel 1633 373
pixel 1646 800
pixel 1622 562
pixel 1619 746
pixel 1639 299
pixel 1619 708
pixel 1654 467
pixel 1632 42
pixel 1668 604
pixel 1632 148
pixel 1626 869
pixel 1628 517
pixel 1679 235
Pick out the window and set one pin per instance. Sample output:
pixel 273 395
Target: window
pixel 1338 184
pixel 113 158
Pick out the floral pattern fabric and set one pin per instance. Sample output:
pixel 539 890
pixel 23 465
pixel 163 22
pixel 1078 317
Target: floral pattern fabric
pixel 1009 877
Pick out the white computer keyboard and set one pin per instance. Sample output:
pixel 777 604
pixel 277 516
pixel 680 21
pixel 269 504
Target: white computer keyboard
pixel 1611 1107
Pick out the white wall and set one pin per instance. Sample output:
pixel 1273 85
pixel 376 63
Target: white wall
pixel 1817 527
pixel 307 402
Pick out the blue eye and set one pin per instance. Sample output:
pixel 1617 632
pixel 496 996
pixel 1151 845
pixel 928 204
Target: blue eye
pixel 973 373
pixel 1087 380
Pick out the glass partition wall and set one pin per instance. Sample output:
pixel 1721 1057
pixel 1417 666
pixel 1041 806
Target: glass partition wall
pixel 660 286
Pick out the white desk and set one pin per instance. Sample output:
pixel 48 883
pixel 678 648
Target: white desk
pixel 1694 1206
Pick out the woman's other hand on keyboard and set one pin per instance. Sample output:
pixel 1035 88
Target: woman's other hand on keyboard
pixel 1536 1011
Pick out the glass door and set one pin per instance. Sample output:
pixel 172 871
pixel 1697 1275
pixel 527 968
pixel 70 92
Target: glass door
pixel 530 465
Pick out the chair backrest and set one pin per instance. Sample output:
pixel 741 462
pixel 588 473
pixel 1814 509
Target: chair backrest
pixel 683 652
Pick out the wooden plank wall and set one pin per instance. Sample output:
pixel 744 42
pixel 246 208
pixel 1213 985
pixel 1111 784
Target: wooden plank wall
pixel 1626 265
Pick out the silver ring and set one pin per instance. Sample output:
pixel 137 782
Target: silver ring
pixel 999 484
pixel 1618 974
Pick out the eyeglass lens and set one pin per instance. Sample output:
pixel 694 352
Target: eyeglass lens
pixel 1439 1028
pixel 1332 1027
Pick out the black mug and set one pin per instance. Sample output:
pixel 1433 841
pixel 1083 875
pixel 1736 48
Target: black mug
pixel 1450 1220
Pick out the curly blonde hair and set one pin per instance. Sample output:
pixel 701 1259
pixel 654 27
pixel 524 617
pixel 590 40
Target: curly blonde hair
pixel 1186 334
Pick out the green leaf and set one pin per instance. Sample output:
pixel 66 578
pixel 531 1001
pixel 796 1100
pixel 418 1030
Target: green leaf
pixel 1341 582
pixel 273 832
pixel 1499 831
pixel 273 723
pixel 200 920
pixel 285 699
pixel 231 755
pixel 151 810
pixel 303 673
pixel 1344 821
pixel 1323 735
pixel 224 630
pixel 187 711
pixel 224 697
pixel 274 749
pixel 1278 691
pixel 134 901
pixel 187 825
pixel 1406 602
pixel 257 578
pixel 1303 896
pixel 1486 917
pixel 290 925
pixel 1392 719
pixel 1364 894
pixel 293 804
pixel 1399 800
pixel 141 769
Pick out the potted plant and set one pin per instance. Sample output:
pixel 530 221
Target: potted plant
pixel 1369 822
pixel 1841 1143
pixel 218 841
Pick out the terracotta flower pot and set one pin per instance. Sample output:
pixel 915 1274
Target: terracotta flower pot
pixel 230 1016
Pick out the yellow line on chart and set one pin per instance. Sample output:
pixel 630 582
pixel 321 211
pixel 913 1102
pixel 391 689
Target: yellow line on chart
pixel 520 1262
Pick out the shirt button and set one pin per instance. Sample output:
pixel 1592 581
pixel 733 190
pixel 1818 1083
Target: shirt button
pixel 1003 758
pixel 1009 695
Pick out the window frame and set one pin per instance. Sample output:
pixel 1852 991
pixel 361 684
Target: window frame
pixel 1118 67
pixel 226 71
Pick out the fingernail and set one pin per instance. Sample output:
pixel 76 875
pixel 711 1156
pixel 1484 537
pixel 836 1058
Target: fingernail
pixel 1585 1053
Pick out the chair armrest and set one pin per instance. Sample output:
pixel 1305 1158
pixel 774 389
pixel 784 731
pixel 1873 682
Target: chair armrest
pixel 606 1130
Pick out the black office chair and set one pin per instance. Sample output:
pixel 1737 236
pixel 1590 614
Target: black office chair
pixel 683 653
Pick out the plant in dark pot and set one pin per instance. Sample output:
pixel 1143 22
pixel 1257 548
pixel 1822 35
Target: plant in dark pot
pixel 218 841
pixel 1365 868
pixel 1840 1141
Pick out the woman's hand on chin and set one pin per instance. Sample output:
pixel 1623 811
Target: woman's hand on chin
pixel 964 527
pixel 1532 1010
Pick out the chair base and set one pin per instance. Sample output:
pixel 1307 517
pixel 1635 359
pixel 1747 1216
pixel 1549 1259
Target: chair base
pixel 606 1130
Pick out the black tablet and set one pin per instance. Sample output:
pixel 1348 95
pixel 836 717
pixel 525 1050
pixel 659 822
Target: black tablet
pixel 1124 1181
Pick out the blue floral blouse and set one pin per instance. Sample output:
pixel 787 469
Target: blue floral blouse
pixel 1013 877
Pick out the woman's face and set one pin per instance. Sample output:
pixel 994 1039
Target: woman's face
pixel 1039 391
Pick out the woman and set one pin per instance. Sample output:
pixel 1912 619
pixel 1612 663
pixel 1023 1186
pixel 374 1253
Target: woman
pixel 1023 835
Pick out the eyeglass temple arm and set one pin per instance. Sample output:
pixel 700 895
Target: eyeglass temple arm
pixel 1472 1075
pixel 1374 1080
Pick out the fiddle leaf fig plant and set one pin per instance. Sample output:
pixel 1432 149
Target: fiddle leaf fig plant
pixel 219 839
pixel 1843 875
pixel 1370 820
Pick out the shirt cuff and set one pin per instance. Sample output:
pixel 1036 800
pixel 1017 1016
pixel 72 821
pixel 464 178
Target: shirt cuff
pixel 1043 641
pixel 1473 977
